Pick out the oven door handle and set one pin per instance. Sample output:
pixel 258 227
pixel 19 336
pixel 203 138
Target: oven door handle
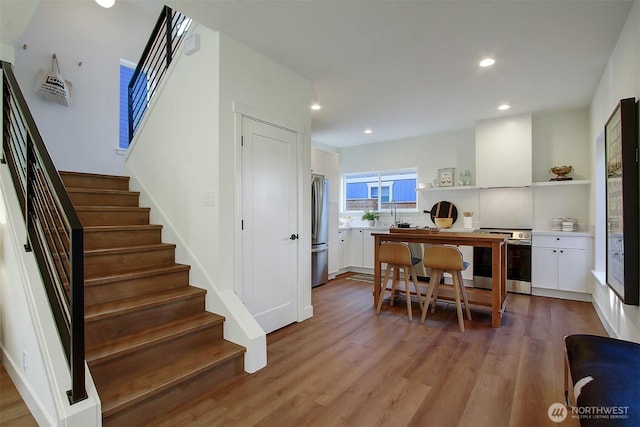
pixel 519 242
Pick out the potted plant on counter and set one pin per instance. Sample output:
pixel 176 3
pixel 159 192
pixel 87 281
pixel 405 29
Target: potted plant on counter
pixel 371 217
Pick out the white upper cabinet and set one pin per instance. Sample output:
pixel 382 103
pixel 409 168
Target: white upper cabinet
pixel 504 152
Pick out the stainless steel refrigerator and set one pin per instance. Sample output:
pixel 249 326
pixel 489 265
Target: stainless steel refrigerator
pixel 319 230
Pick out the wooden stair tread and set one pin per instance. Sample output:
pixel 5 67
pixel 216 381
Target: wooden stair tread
pixel 128 344
pixel 129 249
pixel 91 208
pixel 100 191
pixel 136 274
pixel 132 227
pixel 116 308
pixel 94 175
pixel 129 388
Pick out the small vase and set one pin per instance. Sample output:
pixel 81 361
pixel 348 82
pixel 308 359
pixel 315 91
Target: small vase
pixel 468 222
pixel 371 222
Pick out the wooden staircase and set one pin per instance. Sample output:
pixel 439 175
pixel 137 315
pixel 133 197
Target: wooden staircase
pixel 150 344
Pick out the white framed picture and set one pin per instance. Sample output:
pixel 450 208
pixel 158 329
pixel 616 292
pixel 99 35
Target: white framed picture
pixel 446 177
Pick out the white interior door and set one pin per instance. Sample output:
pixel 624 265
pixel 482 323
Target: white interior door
pixel 269 212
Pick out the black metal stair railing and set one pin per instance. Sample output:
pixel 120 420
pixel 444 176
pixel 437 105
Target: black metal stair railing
pixel 54 231
pixel 167 35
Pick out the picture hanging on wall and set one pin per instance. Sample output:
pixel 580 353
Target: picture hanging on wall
pixel 621 151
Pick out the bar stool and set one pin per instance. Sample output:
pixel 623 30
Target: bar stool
pixel 398 257
pixel 445 259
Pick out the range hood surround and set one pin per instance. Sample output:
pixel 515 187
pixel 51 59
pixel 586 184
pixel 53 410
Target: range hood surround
pixel 506 208
pixel 504 152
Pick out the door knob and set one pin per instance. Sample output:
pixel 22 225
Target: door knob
pixel 293 237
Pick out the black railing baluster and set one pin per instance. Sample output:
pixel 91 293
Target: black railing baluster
pixel 78 391
pixel 28 206
pixel 169 35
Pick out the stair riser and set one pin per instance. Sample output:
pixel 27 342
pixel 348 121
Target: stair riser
pixel 154 357
pixel 138 320
pixel 133 217
pixel 100 199
pixel 121 238
pixel 95 181
pixel 135 287
pixel 113 263
pixel 176 396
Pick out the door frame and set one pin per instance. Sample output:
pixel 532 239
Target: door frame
pixel 303 181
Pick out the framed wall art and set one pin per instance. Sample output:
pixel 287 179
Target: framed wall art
pixel 621 156
pixel 446 177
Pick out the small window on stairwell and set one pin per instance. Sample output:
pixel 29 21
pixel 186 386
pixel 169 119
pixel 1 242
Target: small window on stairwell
pixel 126 71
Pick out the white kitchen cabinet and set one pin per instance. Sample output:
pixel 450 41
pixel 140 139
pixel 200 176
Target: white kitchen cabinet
pixel 367 248
pixel 358 247
pixel 334 256
pixel 354 247
pixel 559 262
pixel 342 254
pixel 504 152
pixel 326 163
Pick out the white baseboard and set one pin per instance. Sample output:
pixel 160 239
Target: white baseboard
pixel 554 293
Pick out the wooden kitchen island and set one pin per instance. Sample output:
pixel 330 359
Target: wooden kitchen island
pixel 496 298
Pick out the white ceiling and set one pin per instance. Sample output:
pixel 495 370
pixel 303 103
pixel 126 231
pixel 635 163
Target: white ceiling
pixel 410 68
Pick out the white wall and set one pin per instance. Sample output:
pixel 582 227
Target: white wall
pixel 621 79
pixel 83 136
pixel 561 138
pixel 188 147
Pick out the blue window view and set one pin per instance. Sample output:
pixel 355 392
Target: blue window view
pixel 126 72
pixel 125 77
pixel 377 190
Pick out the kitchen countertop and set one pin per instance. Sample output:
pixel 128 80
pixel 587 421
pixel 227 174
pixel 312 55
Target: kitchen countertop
pixel 362 227
pixel 540 232
pixel 386 228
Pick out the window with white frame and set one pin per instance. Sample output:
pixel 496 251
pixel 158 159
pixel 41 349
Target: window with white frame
pixel 377 191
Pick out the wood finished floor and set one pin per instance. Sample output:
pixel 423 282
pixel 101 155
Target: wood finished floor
pixel 347 366
pixel 13 411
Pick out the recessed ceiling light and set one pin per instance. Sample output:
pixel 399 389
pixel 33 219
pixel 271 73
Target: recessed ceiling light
pixel 106 3
pixel 504 107
pixel 368 131
pixel 487 62
pixel 316 106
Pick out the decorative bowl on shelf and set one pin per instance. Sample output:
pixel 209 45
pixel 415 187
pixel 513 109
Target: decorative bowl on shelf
pixel 443 222
pixel 561 172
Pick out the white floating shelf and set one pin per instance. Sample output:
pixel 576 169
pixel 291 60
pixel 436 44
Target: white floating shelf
pixel 453 188
pixel 556 183
pixel 533 184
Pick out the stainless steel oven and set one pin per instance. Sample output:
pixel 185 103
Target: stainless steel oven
pixel 518 261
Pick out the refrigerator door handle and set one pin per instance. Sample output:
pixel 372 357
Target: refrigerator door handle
pixel 319 248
